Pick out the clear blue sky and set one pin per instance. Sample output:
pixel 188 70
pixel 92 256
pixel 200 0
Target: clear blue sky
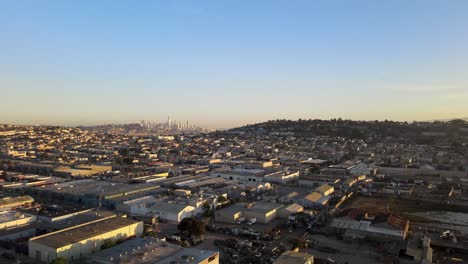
pixel 226 63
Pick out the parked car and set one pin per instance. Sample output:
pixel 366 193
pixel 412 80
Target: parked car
pixel 252 221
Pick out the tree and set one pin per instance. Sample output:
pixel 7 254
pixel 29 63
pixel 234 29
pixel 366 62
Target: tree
pixel 59 260
pixel 298 242
pixel 207 211
pixel 192 226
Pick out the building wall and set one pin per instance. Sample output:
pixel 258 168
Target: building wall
pixel 41 252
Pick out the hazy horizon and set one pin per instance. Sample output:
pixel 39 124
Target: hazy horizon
pixel 208 127
pixel 222 65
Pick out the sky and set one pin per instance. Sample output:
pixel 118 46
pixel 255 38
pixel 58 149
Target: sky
pixel 222 64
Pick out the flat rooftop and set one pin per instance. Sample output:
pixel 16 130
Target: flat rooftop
pixel 149 250
pixel 188 255
pixel 243 172
pixel 69 236
pixel 264 207
pixel 292 257
pixel 364 226
pixel 8 216
pixel 55 210
pixel 8 201
pixel 96 188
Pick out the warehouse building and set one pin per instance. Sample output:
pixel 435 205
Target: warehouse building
pixel 293 257
pixel 325 189
pixel 263 212
pixel 288 210
pixel 229 214
pixel 150 206
pixel 11 202
pixel 13 219
pixel 149 250
pixel 76 242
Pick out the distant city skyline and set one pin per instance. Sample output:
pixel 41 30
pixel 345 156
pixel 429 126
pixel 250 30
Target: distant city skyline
pixel 226 64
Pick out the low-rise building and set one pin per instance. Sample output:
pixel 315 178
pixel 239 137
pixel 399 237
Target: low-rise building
pixel 314 200
pixel 325 189
pixel 150 206
pixel 76 242
pixel 138 206
pixel 243 175
pixel 263 212
pixel 293 257
pixel 282 176
pixel 172 211
pixel 288 210
pixel 229 214
pixel 11 202
pixel 149 250
pixel 13 219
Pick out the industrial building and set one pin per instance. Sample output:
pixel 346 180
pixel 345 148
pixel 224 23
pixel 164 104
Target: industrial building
pixel 11 202
pixel 229 214
pixel 264 212
pixel 255 175
pixel 13 219
pixel 150 206
pixel 76 242
pixel 91 192
pixel 293 257
pixel 149 250
pixel 288 210
pixel 81 171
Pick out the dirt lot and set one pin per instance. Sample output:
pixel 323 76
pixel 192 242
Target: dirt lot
pixel 351 253
pixel 382 205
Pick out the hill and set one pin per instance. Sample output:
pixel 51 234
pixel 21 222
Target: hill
pixel 415 131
